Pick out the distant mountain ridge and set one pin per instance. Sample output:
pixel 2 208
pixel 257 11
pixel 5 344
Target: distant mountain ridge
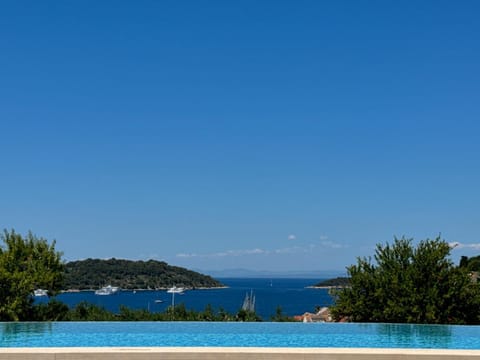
pixel 129 274
pixel 246 273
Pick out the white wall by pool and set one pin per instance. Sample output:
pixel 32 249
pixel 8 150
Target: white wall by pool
pixel 208 353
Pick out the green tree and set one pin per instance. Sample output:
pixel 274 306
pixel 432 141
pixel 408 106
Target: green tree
pixel 280 316
pixel 471 264
pixel 408 284
pixel 90 312
pixel 54 310
pixel 247 316
pixel 463 261
pixel 26 263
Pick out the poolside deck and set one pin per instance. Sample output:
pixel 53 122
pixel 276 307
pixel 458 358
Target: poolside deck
pixel 218 353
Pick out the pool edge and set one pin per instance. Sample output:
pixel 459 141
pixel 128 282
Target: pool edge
pixel 231 353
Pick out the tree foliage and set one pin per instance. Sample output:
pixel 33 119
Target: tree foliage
pixel 471 264
pixel 280 316
pixel 26 263
pixel 84 311
pixel 408 284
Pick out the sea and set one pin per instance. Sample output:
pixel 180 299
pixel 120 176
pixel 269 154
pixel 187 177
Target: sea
pixel 293 296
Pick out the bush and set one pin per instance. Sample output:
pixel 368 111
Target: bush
pixel 407 284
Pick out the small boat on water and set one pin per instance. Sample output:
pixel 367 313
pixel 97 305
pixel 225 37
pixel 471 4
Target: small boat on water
pixel 107 290
pixel 40 292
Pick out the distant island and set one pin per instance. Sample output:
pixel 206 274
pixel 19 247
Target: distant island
pixel 335 282
pixel 127 274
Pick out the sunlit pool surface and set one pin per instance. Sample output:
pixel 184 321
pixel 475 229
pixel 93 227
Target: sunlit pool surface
pixel 162 334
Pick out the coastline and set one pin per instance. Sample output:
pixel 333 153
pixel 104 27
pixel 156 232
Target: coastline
pixel 67 291
pixel 326 287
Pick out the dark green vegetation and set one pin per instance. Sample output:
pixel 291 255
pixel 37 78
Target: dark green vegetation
pixel 26 264
pixel 471 264
pixel 336 282
pixel 409 284
pixel 57 311
pixel 95 273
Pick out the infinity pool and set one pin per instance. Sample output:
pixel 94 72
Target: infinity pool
pixel 214 334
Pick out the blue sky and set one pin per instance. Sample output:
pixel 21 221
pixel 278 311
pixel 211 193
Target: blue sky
pixel 267 135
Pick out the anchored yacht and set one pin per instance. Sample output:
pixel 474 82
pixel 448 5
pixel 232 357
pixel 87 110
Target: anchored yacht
pixel 107 290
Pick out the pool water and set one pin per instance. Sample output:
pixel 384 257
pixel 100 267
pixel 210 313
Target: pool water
pixel 162 334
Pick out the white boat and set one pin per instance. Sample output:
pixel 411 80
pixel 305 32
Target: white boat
pixel 107 290
pixel 40 292
pixel 176 290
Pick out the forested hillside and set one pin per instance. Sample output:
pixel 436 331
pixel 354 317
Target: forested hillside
pixel 152 274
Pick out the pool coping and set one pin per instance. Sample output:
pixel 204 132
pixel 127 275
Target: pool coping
pixel 230 353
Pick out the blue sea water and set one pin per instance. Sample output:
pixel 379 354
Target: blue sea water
pixel 233 334
pixel 292 295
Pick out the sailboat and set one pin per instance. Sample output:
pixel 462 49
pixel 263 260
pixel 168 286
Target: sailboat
pixel 249 302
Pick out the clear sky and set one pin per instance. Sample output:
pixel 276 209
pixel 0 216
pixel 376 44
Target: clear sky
pixel 266 135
